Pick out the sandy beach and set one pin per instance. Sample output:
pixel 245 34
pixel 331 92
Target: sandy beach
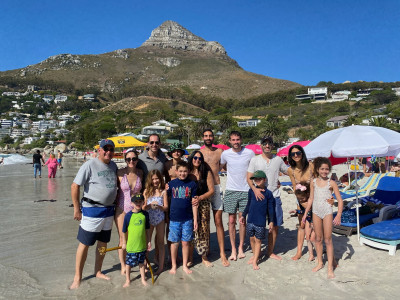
pixel 38 244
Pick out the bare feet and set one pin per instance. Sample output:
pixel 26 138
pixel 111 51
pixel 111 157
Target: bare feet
pixel 311 257
pixel 225 262
pixel 144 282
pixel 256 267
pixel 274 256
pixel 189 264
pixel 172 271
pixel 187 270
pixel 331 275
pixel 233 256
pixel 75 284
pixel 250 262
pixel 318 267
pixel 102 276
pixel 241 255
pixel 297 256
pixel 207 263
pixel 127 283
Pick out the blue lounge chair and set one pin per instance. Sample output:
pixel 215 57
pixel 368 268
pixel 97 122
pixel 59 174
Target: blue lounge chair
pixel 387 193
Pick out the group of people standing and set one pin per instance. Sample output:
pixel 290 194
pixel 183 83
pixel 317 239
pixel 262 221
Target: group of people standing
pixel 52 164
pixel 179 195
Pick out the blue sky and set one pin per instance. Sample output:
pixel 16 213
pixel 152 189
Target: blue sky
pixel 303 41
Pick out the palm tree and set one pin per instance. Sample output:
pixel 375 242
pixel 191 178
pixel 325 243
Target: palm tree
pixel 225 122
pixel 380 122
pixel 269 128
pixel 201 126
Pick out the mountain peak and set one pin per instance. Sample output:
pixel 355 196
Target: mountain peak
pixel 170 34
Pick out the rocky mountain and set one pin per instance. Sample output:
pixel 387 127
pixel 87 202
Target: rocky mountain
pixel 171 57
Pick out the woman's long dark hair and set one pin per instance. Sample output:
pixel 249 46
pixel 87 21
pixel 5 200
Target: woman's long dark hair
pixel 304 161
pixel 204 168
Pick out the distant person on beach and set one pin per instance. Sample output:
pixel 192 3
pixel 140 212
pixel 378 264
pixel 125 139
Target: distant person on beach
pixel 130 183
pixel 52 164
pixel 200 172
pixel 59 159
pixel 212 156
pixel 94 154
pixel 156 204
pixel 176 152
pixel 84 156
pixel 236 160
pixel 37 165
pixel 257 211
pixel 136 238
pixel 320 192
pixel 272 166
pixel 99 179
pixel 183 215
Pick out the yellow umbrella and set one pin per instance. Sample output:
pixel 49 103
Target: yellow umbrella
pixel 125 142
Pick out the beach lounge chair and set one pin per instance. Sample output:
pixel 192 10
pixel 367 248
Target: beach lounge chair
pixel 387 193
pixel 366 189
pixel 384 235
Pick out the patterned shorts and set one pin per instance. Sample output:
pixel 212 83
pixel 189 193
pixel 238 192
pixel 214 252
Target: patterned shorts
pixel 234 200
pixel 134 259
pixel 180 231
pixel 254 230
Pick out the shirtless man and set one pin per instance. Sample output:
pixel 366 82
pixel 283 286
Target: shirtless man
pixel 176 152
pixel 59 159
pixel 212 156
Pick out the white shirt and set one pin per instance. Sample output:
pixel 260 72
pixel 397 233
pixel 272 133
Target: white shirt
pixel 237 164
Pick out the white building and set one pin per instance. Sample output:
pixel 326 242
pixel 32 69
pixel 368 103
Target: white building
pixel 248 123
pixel 30 139
pixel 341 95
pixel 60 98
pixel 6 123
pixel 317 90
pixel 337 121
pixel 396 90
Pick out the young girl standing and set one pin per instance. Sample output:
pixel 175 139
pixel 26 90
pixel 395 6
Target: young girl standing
pixel 302 193
pixel 320 192
pixel 156 204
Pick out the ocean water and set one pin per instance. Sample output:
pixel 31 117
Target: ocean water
pixel 12 159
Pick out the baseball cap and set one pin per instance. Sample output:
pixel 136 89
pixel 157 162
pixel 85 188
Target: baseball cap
pixel 258 174
pixel 267 139
pixel 137 197
pixel 106 142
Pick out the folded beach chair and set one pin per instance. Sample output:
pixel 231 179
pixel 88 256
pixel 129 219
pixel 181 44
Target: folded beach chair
pixel 387 193
pixel 384 235
pixel 366 189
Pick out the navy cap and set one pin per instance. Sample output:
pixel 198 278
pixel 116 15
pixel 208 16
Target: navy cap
pixel 137 197
pixel 106 142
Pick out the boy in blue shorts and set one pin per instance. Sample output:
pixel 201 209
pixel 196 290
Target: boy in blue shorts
pixel 183 215
pixel 257 212
pixel 136 238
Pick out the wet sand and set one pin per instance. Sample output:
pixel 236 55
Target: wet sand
pixel 38 244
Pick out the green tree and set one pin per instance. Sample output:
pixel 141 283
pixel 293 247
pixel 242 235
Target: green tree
pixel 7 140
pixel 380 122
pixel 225 122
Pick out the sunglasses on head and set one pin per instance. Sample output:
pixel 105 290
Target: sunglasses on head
pixel 297 153
pixel 133 159
pixel 154 142
pixel 197 158
pixel 106 149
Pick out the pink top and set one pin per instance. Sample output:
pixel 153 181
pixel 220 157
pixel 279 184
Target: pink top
pixel 124 199
pixel 51 162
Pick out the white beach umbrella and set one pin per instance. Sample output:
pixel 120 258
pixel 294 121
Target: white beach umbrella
pixel 193 147
pixel 163 150
pixel 355 141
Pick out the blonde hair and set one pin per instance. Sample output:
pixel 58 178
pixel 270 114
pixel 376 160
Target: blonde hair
pixel 149 188
pixel 52 155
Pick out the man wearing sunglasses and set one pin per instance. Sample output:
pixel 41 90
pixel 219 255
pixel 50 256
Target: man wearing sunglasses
pixel 152 158
pixel 95 211
pixel 271 165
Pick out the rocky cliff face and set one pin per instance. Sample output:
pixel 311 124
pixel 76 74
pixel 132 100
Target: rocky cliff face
pixel 172 35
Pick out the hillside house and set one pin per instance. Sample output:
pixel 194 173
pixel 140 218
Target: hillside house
pixel 341 95
pixel 60 98
pixel 314 93
pixel 248 123
pixel 337 121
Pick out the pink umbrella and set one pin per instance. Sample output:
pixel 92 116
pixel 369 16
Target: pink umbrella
pixel 222 146
pixel 255 148
pixel 285 151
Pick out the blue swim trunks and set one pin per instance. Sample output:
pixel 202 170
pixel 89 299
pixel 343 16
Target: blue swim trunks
pixel 180 231
pixel 254 230
pixel 134 259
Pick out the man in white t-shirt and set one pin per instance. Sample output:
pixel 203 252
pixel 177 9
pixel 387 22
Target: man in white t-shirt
pixel 271 165
pixel 237 160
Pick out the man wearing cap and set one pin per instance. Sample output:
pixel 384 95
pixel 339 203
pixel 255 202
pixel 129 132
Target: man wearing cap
pixel 152 158
pixel 176 152
pixel 271 165
pixel 98 176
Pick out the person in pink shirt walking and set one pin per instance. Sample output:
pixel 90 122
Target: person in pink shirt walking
pixel 52 164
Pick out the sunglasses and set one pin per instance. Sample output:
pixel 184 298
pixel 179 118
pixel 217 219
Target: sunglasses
pixel 267 144
pixel 297 153
pixel 154 142
pixel 197 158
pixel 108 149
pixel 133 159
